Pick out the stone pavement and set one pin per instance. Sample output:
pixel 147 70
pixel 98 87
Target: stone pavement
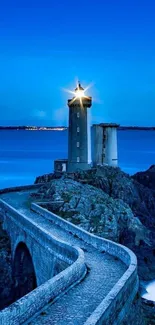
pixel 76 305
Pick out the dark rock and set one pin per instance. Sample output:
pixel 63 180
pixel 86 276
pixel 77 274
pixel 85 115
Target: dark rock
pixel 146 178
pixel 94 210
pixel 135 315
pixel 5 270
pixel 148 308
pixel 46 178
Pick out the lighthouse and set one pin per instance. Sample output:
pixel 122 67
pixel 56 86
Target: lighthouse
pixel 79 131
pixel 101 138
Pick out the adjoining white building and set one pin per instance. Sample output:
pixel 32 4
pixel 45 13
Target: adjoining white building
pixel 104 144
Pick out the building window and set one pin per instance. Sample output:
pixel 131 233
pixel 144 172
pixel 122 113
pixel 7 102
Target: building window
pixel 78 144
pixel 78 114
pixel 78 159
pixel 78 129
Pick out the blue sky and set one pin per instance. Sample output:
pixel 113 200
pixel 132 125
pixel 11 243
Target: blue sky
pixel 46 45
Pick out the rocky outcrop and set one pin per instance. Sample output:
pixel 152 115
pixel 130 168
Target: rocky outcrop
pixel 120 185
pixel 5 270
pixel 110 203
pixel 136 315
pixel 148 310
pixel 93 210
pixel 146 178
pixel 45 178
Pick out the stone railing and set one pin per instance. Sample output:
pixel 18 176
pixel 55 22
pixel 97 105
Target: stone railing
pixel 24 308
pixel 115 306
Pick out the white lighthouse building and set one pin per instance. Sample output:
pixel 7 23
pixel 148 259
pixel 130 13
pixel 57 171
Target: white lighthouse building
pixel 79 131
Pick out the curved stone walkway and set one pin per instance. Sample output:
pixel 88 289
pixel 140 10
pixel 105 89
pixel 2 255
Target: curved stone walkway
pixel 76 305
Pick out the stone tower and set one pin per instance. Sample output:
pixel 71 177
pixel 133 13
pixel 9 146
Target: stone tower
pixel 79 130
pixel 104 144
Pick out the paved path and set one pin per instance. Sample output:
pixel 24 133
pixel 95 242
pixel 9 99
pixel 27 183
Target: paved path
pixel 75 306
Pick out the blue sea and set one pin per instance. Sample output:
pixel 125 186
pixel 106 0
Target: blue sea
pixel 27 154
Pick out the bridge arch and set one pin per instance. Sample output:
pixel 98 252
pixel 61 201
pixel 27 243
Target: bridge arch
pixel 23 271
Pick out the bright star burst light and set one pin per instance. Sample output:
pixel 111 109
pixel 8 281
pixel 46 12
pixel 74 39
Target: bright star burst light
pixel 79 93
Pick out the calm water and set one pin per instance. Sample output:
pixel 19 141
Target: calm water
pixel 150 291
pixel 27 154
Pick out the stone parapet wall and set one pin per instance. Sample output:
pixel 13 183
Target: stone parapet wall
pixel 64 252
pixel 23 309
pixel 115 306
pixel 117 250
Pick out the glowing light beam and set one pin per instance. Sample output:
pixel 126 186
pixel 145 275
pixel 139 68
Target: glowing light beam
pixel 79 93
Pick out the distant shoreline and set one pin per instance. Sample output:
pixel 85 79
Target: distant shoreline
pixel 34 128
pixel 139 128
pixel 63 128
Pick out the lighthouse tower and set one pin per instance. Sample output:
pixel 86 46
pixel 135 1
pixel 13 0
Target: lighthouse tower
pixel 79 131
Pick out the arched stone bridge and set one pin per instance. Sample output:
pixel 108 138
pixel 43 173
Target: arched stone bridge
pixel 75 277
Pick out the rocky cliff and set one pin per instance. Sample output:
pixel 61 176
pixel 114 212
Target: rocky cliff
pixel 110 203
pixel 146 178
pixel 5 269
